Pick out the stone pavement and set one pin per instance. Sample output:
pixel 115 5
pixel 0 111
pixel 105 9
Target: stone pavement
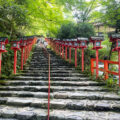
pixel 74 96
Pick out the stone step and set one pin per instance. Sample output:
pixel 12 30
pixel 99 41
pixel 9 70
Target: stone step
pixel 24 94
pixel 29 113
pixel 52 74
pixel 46 71
pixel 53 83
pixel 54 68
pixel 86 95
pixel 88 105
pixel 65 78
pixel 8 119
pixel 73 95
pixel 53 88
pixel 23 113
pixel 53 62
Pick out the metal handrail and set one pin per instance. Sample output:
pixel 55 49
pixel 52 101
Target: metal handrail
pixel 48 56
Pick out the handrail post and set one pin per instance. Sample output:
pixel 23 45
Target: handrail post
pixel 97 62
pixel 69 54
pixel 0 62
pixel 22 58
pixel 106 69
pixel 49 86
pixel 92 66
pixel 58 49
pixel 65 53
pixel 82 59
pixel 15 60
pixel 119 65
pixel 62 51
pixel 75 57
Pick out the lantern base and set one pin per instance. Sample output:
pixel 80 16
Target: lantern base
pixel 3 51
pixel 97 48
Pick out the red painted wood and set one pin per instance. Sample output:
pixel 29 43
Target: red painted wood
pixel 97 63
pixel 0 62
pixel 82 59
pixel 69 54
pixel 119 65
pixel 75 57
pixel 15 60
pixel 22 58
pixel 65 53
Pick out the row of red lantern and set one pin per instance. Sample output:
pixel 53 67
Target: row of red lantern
pixel 23 43
pixel 80 42
pixel 75 43
pixel 57 45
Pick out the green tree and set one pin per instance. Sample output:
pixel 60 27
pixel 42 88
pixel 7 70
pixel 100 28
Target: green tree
pixel 111 13
pixel 72 30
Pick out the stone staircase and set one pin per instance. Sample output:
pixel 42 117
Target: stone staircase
pixel 73 95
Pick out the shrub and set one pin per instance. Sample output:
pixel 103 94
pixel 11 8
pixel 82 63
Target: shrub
pixel 72 30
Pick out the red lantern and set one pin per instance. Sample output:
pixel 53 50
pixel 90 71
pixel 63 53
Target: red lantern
pixel 82 44
pixel 96 42
pixel 96 46
pixel 15 47
pixel 23 44
pixel 3 42
pixel 75 45
pixel 115 39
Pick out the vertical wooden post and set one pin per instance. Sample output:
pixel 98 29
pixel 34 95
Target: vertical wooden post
pixel 106 69
pixel 22 58
pixel 92 66
pixel 15 60
pixel 75 57
pixel 97 62
pixel 58 49
pixel 0 62
pixel 82 59
pixel 119 65
pixel 69 54
pixel 62 51
pixel 25 55
pixel 65 53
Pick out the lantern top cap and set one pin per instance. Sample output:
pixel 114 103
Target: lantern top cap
pixel 64 39
pixel 97 38
pixel 67 39
pixel 4 39
pixel 16 41
pixel 70 39
pixel 82 39
pixel 115 35
pixel 75 40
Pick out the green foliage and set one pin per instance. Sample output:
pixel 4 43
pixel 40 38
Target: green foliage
pixel 111 82
pixel 67 31
pixel 8 61
pixel 84 30
pixel 28 17
pixel 110 13
pixel 72 30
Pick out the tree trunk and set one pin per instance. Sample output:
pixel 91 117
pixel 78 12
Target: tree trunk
pixel 110 53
